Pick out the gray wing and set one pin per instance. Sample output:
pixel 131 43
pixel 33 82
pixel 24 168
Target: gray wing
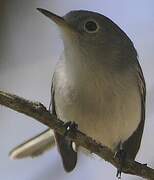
pixel 132 145
pixel 68 155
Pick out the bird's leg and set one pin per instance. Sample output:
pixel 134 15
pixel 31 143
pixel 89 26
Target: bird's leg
pixel 70 128
pixel 121 155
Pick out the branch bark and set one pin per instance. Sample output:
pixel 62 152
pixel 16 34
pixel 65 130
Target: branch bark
pixel 37 111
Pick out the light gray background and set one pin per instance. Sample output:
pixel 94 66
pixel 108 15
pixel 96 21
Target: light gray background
pixel 29 48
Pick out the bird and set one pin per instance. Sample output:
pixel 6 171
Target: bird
pixel 98 83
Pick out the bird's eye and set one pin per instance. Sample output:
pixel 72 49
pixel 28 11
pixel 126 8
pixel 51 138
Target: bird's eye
pixel 91 26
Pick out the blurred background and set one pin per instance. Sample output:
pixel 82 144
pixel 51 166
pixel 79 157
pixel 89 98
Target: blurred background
pixel 29 49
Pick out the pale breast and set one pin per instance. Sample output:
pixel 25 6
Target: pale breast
pixel 106 108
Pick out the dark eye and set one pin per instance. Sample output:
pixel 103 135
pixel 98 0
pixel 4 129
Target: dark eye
pixel 91 26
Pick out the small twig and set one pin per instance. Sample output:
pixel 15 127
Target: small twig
pixel 41 114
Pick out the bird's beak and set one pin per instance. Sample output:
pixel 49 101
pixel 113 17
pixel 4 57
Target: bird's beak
pixel 60 21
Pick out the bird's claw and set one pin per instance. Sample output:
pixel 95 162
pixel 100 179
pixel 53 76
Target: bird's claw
pixel 70 127
pixel 121 155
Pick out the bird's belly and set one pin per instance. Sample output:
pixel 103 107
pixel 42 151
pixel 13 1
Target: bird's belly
pixel 107 117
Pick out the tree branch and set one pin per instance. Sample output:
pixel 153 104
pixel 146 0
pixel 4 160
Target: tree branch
pixel 37 111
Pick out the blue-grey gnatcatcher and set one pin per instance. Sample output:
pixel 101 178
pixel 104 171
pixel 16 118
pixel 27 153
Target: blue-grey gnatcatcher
pixel 98 84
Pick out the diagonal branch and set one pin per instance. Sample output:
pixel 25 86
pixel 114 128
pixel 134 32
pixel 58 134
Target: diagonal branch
pixel 37 111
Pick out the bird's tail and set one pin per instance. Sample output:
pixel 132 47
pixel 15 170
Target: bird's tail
pixel 34 146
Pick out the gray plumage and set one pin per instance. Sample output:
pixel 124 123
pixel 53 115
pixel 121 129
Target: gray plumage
pixel 98 83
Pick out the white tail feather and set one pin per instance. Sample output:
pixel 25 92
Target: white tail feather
pixel 34 146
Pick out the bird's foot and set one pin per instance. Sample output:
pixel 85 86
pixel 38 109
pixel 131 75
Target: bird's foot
pixel 70 127
pixel 121 155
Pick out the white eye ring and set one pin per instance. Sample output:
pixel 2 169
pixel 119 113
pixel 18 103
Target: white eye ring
pixel 91 26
